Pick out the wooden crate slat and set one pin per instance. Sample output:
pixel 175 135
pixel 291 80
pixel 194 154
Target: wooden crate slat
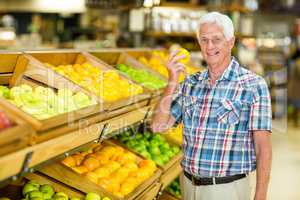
pixel 56 146
pixel 4 78
pixel 8 61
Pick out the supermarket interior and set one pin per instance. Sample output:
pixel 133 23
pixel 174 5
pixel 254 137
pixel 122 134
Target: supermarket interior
pixel 80 80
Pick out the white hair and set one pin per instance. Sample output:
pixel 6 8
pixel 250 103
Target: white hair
pixel 223 21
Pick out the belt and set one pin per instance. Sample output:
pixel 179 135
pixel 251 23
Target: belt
pixel 214 180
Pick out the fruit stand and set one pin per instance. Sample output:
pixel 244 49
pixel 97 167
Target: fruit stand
pixel 103 99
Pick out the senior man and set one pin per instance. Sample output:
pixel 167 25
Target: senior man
pixel 226 112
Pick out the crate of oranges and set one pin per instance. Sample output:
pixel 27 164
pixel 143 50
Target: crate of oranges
pixel 106 169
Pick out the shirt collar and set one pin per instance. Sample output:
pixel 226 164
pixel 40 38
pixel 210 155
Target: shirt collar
pixel 230 73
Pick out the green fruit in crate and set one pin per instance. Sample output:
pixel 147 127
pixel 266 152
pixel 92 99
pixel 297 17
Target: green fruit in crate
pixel 36 194
pixel 4 92
pixel 75 198
pixel 47 189
pixel 47 196
pixel 143 77
pixel 175 149
pixel 29 188
pixel 92 196
pixel 154 150
pixel 36 198
pixel 60 196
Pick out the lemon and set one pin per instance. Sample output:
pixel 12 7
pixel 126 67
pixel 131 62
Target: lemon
pixel 184 52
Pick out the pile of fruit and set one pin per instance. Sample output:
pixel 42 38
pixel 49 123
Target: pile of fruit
pixel 34 191
pixel 151 146
pixel 174 188
pixel 42 102
pixel 142 77
pixel 176 133
pixel 4 121
pixel 158 61
pixel 108 85
pixel 112 167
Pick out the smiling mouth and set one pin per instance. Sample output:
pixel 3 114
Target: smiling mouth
pixel 213 54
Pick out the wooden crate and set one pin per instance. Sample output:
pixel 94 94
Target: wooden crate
pixel 16 137
pixel 169 171
pixel 150 193
pixel 167 196
pixel 58 187
pixel 62 57
pixel 19 78
pixel 168 176
pixel 67 176
pixel 66 142
pixel 119 57
pixel 8 61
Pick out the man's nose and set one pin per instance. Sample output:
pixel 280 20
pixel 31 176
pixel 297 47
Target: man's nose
pixel 210 44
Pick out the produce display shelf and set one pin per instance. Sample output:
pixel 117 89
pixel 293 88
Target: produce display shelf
pixel 167 196
pixel 67 176
pixel 63 57
pixel 18 78
pixel 64 143
pixel 119 57
pixel 16 137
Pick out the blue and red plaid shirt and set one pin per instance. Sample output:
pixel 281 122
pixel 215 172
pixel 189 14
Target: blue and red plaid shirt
pixel 219 121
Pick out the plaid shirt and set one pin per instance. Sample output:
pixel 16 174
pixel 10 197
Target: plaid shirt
pixel 219 121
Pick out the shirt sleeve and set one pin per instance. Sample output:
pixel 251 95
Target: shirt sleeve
pixel 261 109
pixel 176 105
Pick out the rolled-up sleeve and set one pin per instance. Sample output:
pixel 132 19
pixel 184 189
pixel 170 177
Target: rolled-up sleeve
pixel 261 109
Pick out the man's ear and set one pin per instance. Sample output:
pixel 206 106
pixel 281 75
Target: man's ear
pixel 231 42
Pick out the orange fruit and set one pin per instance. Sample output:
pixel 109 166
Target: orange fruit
pixel 92 176
pixel 131 166
pixel 79 158
pixel 118 152
pixel 69 161
pixel 102 172
pixel 80 169
pixel 91 163
pixel 126 157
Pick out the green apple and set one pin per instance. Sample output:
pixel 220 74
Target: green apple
pixel 29 188
pixel 146 154
pixel 158 160
pixel 175 149
pixel 36 198
pixel 47 196
pixel 75 198
pixel 36 194
pixel 62 194
pixel 48 189
pixel 92 196
pixel 4 92
pixel 154 150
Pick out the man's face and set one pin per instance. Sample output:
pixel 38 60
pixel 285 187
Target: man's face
pixel 214 46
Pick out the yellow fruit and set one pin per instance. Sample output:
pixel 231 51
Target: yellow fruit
pixel 80 169
pixel 126 157
pixel 91 163
pixel 79 158
pixel 184 52
pixel 102 172
pixel 131 166
pixel 92 176
pixel 69 161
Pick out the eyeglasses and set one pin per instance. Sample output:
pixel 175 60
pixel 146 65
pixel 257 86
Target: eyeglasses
pixel 215 41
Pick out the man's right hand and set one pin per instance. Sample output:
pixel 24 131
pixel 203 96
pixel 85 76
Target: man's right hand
pixel 175 67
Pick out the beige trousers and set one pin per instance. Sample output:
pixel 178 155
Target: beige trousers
pixel 237 190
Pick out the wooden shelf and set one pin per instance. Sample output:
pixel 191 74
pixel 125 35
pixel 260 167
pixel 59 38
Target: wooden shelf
pixel 11 164
pixel 172 34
